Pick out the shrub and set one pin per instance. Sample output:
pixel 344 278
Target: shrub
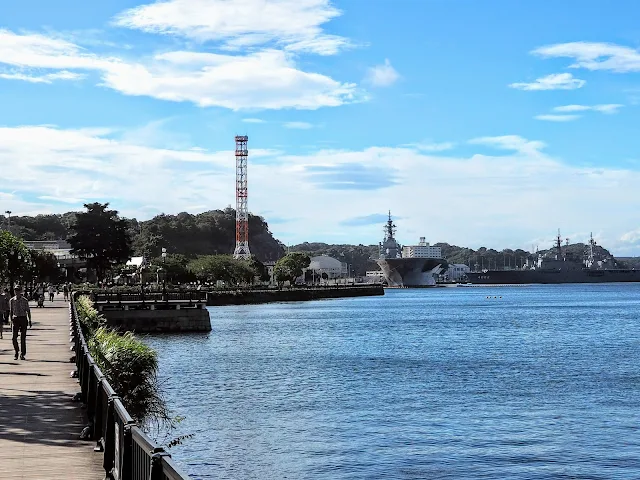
pixel 131 368
pixel 88 314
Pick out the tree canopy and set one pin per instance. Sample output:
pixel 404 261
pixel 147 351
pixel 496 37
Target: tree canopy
pixel 291 267
pixel 14 257
pixel 213 268
pixel 100 237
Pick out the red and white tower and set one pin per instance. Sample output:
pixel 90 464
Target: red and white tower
pixel 242 212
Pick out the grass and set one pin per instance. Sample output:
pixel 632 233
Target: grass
pixel 130 366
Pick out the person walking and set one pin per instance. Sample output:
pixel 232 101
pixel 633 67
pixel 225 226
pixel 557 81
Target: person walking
pixel 40 294
pixel 52 292
pixel 20 312
pixel 65 291
pixel 4 309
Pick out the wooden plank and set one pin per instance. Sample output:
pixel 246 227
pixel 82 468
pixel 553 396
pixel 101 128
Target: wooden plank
pixel 39 424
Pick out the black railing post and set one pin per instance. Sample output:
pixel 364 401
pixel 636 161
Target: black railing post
pixel 109 437
pixel 155 472
pixel 126 470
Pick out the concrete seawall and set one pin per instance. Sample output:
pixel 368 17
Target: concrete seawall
pixel 155 321
pixel 248 297
pixel 151 315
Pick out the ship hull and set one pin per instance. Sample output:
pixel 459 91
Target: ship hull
pixel 410 272
pixel 552 276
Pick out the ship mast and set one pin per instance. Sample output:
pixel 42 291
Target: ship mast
pixel 592 244
pixel 389 229
pixel 559 246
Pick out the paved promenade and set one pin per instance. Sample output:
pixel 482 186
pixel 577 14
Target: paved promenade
pixel 39 424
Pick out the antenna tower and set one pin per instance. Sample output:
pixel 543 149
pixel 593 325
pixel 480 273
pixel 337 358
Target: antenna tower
pixel 242 212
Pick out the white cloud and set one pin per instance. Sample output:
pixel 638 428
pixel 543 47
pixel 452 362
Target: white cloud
pixel 298 125
pixel 594 55
pixel 48 78
pixel 555 81
pixel 432 147
pixel 253 120
pixel 293 24
pixel 511 142
pixel 557 118
pixel 382 75
pixel 266 79
pixel 631 237
pixel 84 165
pixel 609 108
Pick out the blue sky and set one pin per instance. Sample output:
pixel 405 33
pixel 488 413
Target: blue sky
pixel 475 122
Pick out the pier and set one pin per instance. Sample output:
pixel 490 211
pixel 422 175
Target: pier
pixel 40 426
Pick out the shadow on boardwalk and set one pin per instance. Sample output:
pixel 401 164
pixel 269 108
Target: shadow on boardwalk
pixel 46 418
pixel 39 423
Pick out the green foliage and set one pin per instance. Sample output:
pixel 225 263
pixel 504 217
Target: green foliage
pixel 100 237
pixel 43 227
pixel 44 265
pixel 208 233
pixel 131 368
pixel 260 269
pixel 175 268
pixel 212 268
pixel 88 314
pixel 14 257
pixel 290 267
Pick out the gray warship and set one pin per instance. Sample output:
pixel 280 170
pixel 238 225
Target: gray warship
pixel 559 268
pixel 408 271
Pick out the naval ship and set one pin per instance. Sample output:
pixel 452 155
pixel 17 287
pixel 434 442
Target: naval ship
pixel 411 266
pixel 558 269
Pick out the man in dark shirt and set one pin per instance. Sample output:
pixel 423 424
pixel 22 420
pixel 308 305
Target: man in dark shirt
pixel 19 312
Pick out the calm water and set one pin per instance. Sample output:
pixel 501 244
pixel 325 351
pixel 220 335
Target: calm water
pixel 419 384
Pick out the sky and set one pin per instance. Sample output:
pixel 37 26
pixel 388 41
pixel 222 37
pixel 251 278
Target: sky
pixel 477 123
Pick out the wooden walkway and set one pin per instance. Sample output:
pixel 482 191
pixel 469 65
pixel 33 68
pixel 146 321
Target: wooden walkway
pixel 39 424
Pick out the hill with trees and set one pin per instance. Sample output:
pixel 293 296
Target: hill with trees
pixel 208 233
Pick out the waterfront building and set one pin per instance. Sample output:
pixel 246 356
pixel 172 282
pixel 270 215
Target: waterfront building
pixel 328 268
pixel 422 250
pixel 456 272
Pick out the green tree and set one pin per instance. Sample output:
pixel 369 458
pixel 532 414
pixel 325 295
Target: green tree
pixel 100 237
pixel 14 258
pixel 259 268
pixel 222 267
pixel 44 265
pixel 290 266
pixel 175 268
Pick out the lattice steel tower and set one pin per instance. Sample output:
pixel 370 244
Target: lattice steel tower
pixel 242 212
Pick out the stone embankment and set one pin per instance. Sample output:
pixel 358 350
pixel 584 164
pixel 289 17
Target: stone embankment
pixel 248 297
pixel 187 312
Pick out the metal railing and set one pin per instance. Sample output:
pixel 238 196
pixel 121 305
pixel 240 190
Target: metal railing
pixel 129 454
pixel 149 297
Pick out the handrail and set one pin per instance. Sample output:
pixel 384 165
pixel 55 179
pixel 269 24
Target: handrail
pixel 129 454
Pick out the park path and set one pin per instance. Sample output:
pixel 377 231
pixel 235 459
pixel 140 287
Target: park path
pixel 39 424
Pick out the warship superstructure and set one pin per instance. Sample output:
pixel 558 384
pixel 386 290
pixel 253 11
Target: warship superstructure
pixel 559 268
pixel 411 266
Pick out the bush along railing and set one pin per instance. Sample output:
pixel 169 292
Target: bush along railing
pixel 129 454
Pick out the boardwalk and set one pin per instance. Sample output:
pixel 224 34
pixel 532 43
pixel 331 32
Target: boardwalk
pixel 39 424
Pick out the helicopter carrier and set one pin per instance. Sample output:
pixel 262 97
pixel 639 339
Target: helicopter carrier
pixel 559 268
pixel 408 266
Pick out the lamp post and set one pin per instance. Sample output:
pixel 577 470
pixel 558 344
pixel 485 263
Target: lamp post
pixel 164 276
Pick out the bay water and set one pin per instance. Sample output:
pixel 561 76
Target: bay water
pixel 533 382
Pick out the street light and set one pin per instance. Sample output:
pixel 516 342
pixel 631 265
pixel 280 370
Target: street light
pixel 164 277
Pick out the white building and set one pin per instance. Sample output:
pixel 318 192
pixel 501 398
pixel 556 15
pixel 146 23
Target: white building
pixel 422 250
pixel 330 266
pixel 456 272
